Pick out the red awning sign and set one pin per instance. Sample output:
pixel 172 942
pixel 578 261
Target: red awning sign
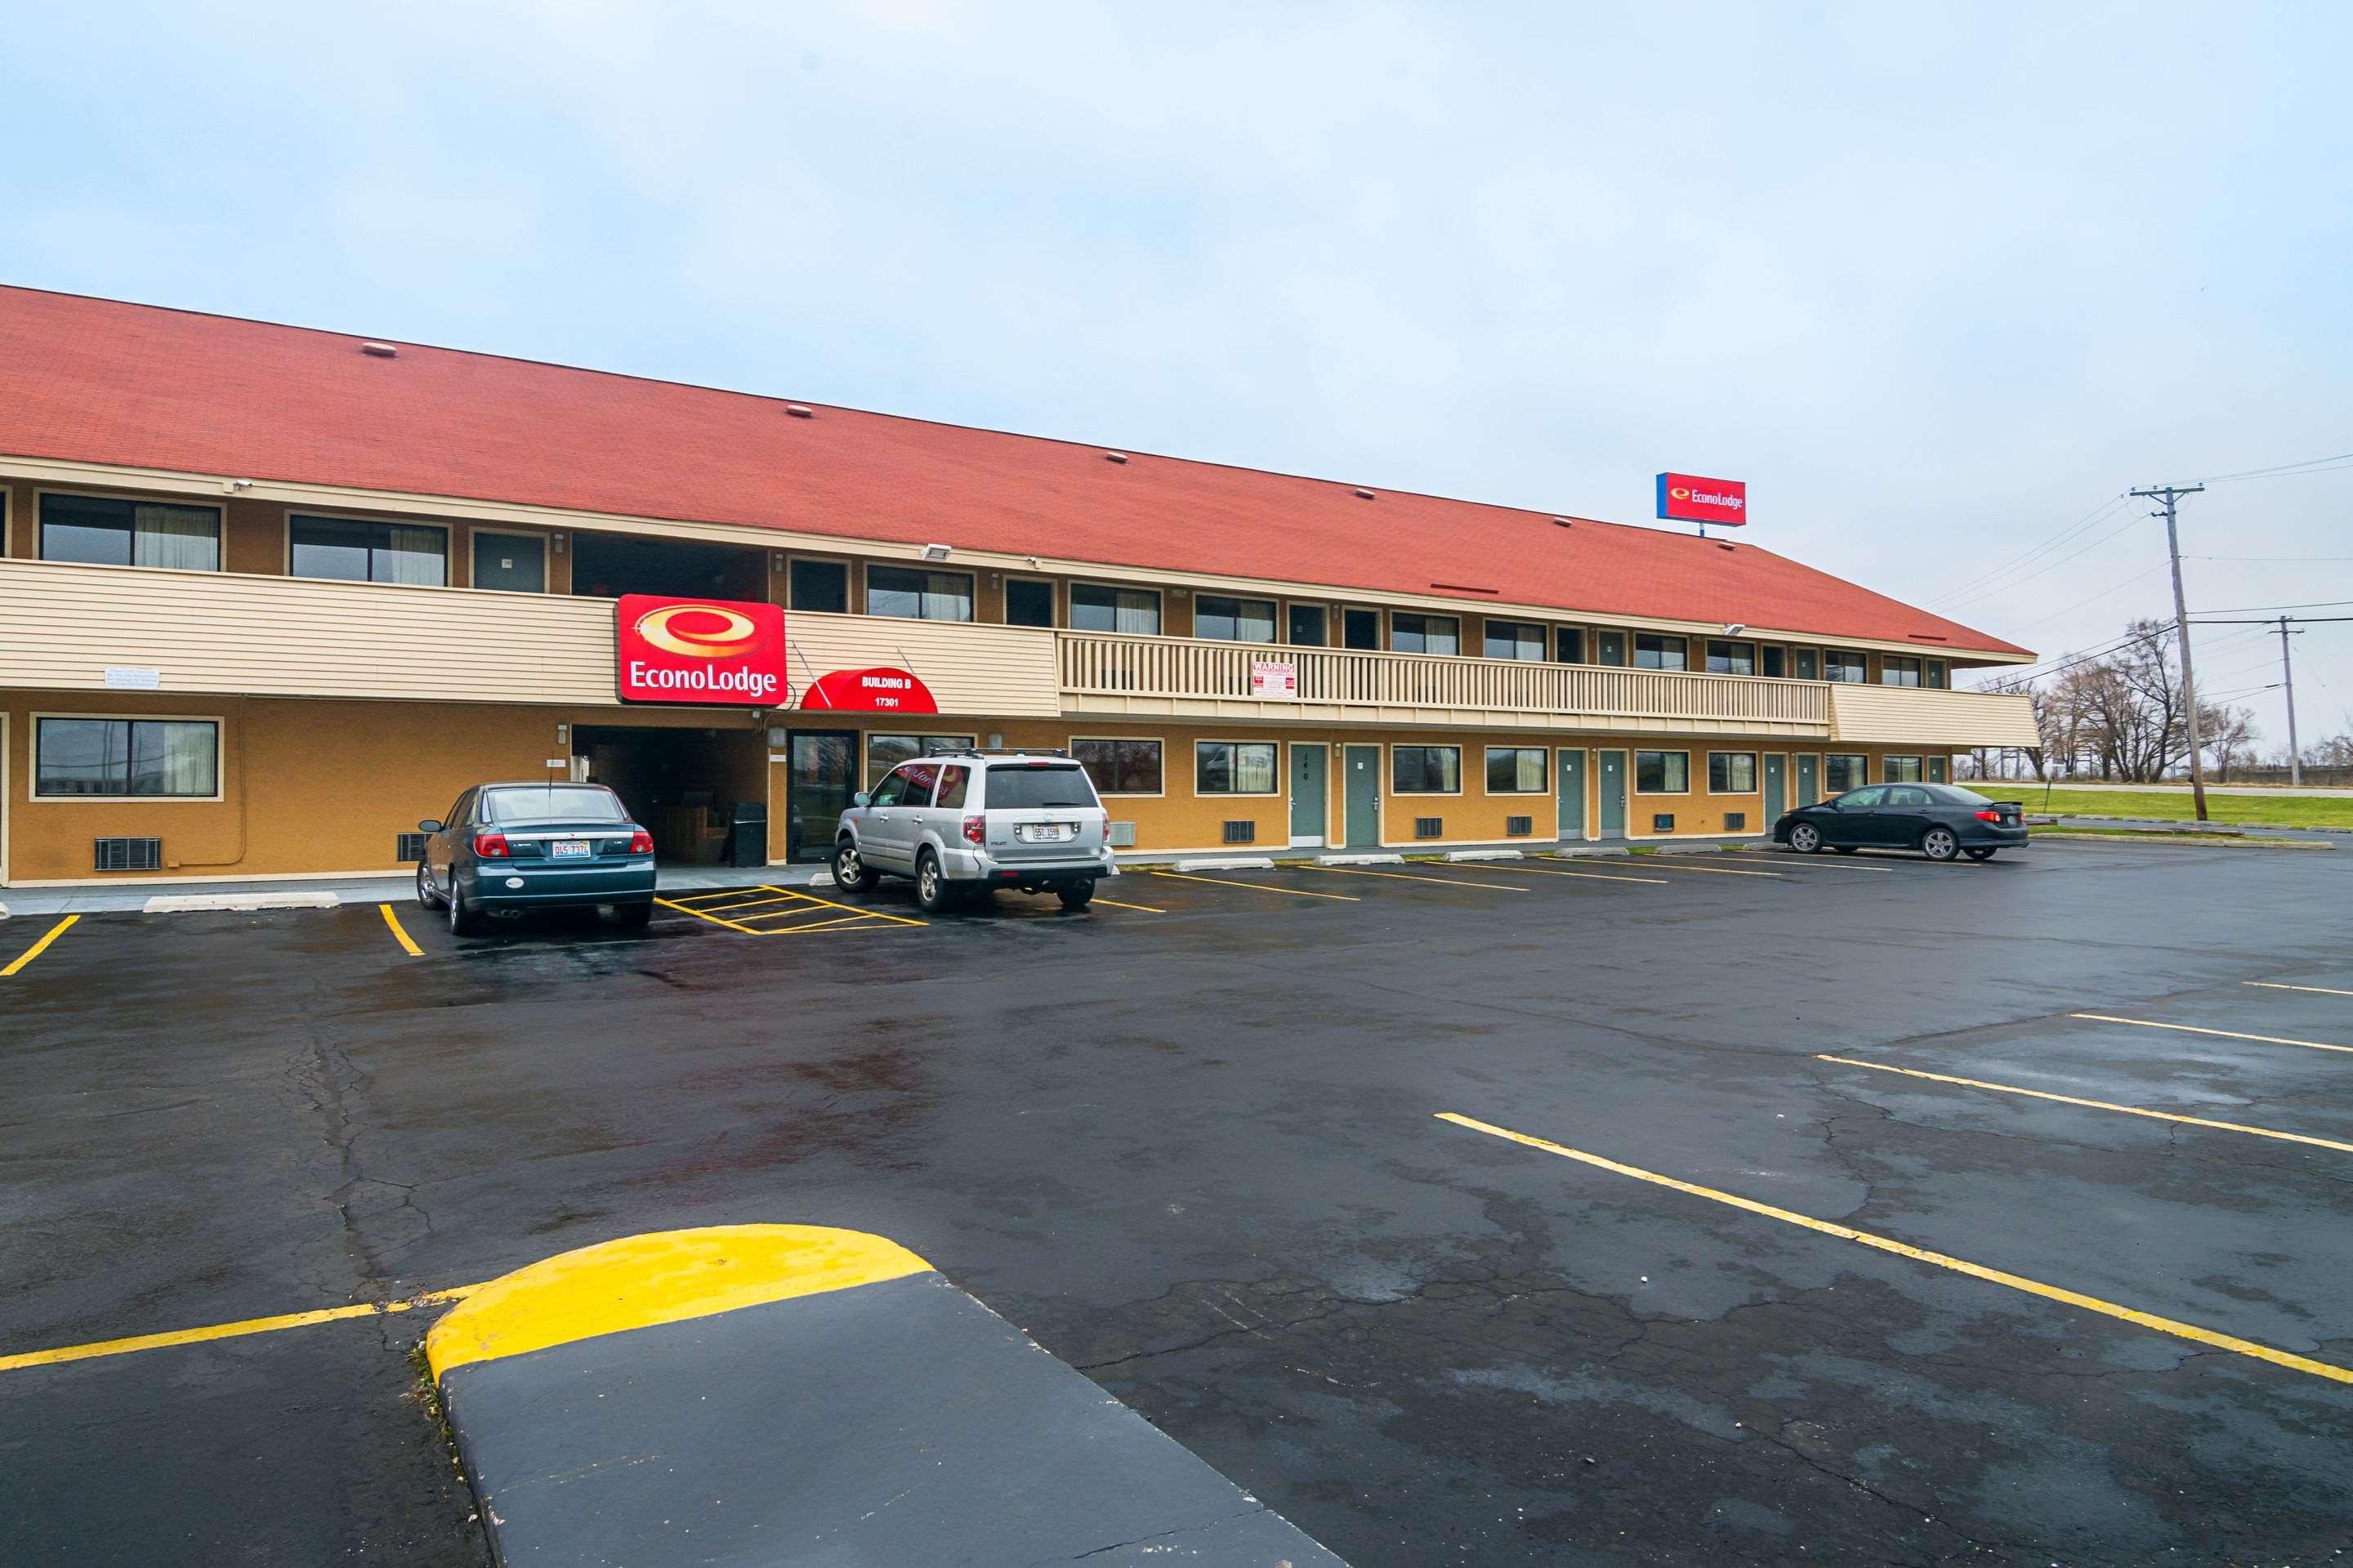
pixel 879 689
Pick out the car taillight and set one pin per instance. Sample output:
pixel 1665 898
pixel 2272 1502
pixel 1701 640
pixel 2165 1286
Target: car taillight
pixel 976 828
pixel 1106 827
pixel 491 846
pixel 1989 816
pixel 641 842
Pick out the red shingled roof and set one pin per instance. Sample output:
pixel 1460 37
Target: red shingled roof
pixel 101 381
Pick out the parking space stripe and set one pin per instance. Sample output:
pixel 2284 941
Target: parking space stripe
pixel 2172 1326
pixel 871 914
pixel 690 909
pixel 37 949
pixel 1662 863
pixel 400 935
pixel 2225 1034
pixel 1814 863
pixel 1115 903
pixel 2094 1105
pixel 229 1331
pixel 1588 875
pixel 2281 985
pixel 1256 886
pixel 748 904
pixel 1408 876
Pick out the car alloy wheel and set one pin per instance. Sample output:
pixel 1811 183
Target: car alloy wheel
pixel 1939 844
pixel 1805 838
pixel 849 871
pixel 927 884
pixel 424 889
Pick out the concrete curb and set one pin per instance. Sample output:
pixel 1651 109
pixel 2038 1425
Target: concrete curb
pixel 1358 860
pixel 774 1394
pixel 189 903
pixel 2185 841
pixel 2189 827
pixel 1228 862
pixel 1486 855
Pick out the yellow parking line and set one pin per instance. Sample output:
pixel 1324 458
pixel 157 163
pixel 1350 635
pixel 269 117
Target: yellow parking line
pixel 854 909
pixel 2225 1034
pixel 229 1331
pixel 839 921
pixel 2277 985
pixel 1115 903
pixel 1589 876
pixel 35 951
pixel 748 904
pixel 2094 1105
pixel 1258 887
pixel 399 935
pixel 689 909
pixel 1660 863
pixel 1408 876
pixel 1902 1249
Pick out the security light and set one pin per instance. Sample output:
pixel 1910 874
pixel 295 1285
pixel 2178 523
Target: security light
pixel 1735 628
pixel 935 552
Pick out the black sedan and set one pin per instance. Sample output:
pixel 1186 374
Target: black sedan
pixel 1940 820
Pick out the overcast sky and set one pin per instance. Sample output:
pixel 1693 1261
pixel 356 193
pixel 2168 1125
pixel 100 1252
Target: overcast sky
pixel 1938 283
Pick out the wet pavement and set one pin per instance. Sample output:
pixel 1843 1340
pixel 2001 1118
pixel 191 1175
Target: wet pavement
pixel 1190 1141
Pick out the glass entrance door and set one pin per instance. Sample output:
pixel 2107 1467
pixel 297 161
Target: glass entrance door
pixel 819 781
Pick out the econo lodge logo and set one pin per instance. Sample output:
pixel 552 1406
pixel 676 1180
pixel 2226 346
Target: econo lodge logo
pixel 1682 493
pixel 732 634
pixel 701 650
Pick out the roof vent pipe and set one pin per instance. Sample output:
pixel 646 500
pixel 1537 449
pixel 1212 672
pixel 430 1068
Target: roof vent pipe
pixel 1114 457
pixel 1566 522
pixel 800 411
pixel 379 351
pixel 1361 493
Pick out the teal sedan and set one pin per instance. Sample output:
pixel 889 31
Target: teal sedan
pixel 507 848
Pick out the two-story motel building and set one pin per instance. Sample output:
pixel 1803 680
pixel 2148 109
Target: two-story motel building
pixel 268 596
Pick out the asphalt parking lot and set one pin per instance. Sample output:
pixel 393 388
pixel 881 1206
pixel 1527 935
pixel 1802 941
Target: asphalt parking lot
pixel 1193 1141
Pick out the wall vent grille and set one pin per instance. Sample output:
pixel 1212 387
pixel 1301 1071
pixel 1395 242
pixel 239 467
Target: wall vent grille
pixel 1242 832
pixel 1519 827
pixel 1123 836
pixel 1735 822
pixel 129 854
pixel 408 848
pixel 1663 823
pixel 1429 827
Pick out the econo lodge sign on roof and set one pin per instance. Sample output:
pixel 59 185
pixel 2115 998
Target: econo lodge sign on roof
pixel 701 651
pixel 1688 498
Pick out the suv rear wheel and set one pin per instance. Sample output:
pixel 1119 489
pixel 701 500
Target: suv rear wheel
pixel 1078 895
pixel 932 894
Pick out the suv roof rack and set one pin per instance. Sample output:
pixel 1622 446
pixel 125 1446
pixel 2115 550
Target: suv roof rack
pixel 1002 751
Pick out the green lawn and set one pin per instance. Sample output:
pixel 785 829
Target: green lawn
pixel 2278 810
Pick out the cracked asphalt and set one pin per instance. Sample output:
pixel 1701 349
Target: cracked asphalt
pixel 1195 1153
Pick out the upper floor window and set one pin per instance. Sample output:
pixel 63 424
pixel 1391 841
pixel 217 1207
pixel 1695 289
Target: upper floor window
pixel 820 585
pixel 1654 653
pixel 1844 664
pixel 1514 639
pixel 1568 643
pixel 159 758
pixel 1894 670
pixel 1731 658
pixel 1233 620
pixel 1133 612
pixel 351 550
pixel 1425 633
pixel 912 594
pixel 100 531
pixel 1029 602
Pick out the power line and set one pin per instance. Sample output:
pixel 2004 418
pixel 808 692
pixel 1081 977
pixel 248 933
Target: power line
pixel 2277 470
pixel 1988 592
pixel 2103 593
pixel 2096 514
pixel 2251 609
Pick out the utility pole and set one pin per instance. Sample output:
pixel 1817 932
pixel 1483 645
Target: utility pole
pixel 2168 495
pixel 2287 679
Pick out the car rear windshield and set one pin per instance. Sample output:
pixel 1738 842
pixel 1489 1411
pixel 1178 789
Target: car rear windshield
pixel 556 803
pixel 1030 787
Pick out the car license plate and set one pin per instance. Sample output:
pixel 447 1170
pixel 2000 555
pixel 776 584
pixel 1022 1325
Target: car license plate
pixel 1046 833
pixel 571 849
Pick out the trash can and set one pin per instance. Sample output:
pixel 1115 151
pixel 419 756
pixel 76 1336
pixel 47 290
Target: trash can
pixel 747 834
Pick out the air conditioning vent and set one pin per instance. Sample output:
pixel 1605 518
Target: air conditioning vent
pixel 1519 827
pixel 129 854
pixel 1123 836
pixel 1429 827
pixel 1242 832
pixel 1735 822
pixel 408 848
pixel 1663 823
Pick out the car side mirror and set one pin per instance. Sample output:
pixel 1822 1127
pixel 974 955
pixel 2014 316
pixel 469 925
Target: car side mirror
pixel 859 799
pixel 428 826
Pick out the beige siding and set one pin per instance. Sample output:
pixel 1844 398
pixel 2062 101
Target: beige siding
pixel 1932 720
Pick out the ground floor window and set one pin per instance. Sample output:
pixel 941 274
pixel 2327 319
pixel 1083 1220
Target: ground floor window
pixel 1426 769
pixel 1517 770
pixel 1233 767
pixel 884 752
pixel 1121 767
pixel 1663 772
pixel 1900 770
pixel 164 759
pixel 1732 773
pixel 1842 771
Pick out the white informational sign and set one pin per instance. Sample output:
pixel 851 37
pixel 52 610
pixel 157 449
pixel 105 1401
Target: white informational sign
pixel 131 678
pixel 1274 678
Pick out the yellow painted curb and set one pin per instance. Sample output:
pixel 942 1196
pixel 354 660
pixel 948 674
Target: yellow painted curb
pixel 666 1277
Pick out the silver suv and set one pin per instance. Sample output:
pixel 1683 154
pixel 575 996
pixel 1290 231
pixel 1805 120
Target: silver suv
pixel 972 822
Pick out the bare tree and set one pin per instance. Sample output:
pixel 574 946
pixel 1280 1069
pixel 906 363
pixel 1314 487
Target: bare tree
pixel 2123 715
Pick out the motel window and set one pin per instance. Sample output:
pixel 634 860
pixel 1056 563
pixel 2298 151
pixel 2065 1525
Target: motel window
pixel 1425 633
pixel 1307 625
pixel 1652 652
pixel 1029 602
pixel 1517 770
pixel 1773 661
pixel 347 549
pixel 1233 767
pixel 1225 620
pixel 822 586
pixel 1611 646
pixel 1935 676
pixel 1663 772
pixel 162 758
pixel 1361 629
pixel 1894 670
pixel 911 594
pixel 1569 645
pixel 1514 639
pixel 98 532
pixel 1121 767
pixel 884 752
pixel 1805 664
pixel 1732 773
pixel 1900 770
pixel 1731 658
pixel 1133 611
pixel 1844 664
pixel 1426 769
pixel 1842 771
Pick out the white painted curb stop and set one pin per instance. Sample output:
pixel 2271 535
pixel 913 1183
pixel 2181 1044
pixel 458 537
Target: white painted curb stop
pixel 186 903
pixel 1486 855
pixel 1238 862
pixel 1360 860
pixel 822 879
